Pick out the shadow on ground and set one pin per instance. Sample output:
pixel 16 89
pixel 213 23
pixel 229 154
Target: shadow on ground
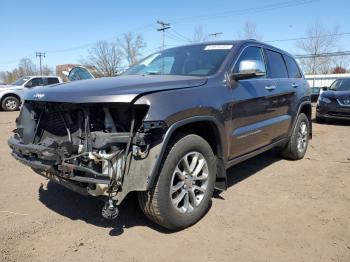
pixel 333 122
pixel 76 207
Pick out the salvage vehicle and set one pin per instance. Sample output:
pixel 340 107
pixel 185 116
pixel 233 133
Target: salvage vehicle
pixel 12 95
pixel 334 102
pixel 168 128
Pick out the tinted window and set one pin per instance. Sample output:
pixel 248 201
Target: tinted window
pixel 276 66
pixel 52 80
pixel 293 69
pixel 251 54
pixel 341 85
pixel 35 82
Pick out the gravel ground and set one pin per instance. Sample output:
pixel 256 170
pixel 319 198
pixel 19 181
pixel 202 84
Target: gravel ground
pixel 274 210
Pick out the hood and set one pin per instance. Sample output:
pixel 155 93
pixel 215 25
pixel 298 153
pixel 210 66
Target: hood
pixel 336 94
pixel 9 87
pixel 6 86
pixel 112 89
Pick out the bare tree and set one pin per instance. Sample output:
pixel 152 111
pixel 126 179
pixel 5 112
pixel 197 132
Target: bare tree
pixel 199 35
pixel 27 67
pixel 250 31
pixel 106 57
pixel 46 70
pixel 132 47
pixel 318 40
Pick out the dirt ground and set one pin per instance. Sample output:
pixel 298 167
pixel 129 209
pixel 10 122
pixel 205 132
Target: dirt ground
pixel 274 210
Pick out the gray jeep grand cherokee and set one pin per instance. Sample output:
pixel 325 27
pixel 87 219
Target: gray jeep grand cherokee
pixel 168 128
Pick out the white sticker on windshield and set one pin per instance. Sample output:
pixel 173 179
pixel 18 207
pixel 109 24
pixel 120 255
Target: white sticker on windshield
pixel 218 47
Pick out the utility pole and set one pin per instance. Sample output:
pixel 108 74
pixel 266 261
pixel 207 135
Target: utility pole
pixel 40 55
pixel 215 35
pixel 164 26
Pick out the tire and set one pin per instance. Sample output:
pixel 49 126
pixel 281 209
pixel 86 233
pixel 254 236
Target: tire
pixel 159 204
pixel 10 103
pixel 298 143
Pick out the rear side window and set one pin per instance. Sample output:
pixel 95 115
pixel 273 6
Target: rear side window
pixel 52 80
pixel 275 65
pixel 293 69
pixel 35 82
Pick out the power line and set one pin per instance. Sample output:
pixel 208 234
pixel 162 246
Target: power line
pixel 257 9
pixel 342 53
pixel 181 36
pixel 164 26
pixel 40 55
pixel 215 35
pixel 305 38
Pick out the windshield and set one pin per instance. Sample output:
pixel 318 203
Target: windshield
pixel 20 81
pixel 341 85
pixel 195 60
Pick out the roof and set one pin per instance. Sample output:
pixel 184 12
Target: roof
pixel 237 42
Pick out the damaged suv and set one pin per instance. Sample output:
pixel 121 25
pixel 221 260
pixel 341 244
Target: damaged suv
pixel 168 128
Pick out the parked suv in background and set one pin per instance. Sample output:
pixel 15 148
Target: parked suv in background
pixel 168 128
pixel 11 95
pixel 334 102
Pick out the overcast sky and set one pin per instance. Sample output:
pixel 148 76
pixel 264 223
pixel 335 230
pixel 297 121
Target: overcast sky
pixel 66 29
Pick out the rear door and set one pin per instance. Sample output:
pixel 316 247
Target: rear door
pixel 253 107
pixel 283 96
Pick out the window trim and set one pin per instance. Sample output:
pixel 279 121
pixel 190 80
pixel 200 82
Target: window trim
pixel 295 62
pixel 282 55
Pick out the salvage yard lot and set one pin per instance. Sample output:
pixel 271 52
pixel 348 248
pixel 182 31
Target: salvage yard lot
pixel 274 210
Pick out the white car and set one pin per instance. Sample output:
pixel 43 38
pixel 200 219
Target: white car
pixel 11 96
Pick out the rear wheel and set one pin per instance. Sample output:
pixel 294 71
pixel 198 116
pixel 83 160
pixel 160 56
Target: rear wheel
pixel 10 103
pixel 185 184
pixel 298 143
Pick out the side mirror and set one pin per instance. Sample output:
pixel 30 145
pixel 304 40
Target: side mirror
pixel 249 69
pixel 324 88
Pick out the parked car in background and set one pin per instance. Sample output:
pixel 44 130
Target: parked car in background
pixel 11 96
pixel 315 93
pixel 168 128
pixel 78 73
pixel 334 102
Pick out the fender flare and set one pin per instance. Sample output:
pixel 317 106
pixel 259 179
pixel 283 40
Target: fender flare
pixel 221 174
pixel 302 104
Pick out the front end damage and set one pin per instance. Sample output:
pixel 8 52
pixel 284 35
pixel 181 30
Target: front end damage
pixel 103 150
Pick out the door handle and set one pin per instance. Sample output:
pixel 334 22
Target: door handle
pixel 294 85
pixel 270 87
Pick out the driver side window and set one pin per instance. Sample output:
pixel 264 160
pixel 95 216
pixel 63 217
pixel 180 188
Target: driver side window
pixel 251 58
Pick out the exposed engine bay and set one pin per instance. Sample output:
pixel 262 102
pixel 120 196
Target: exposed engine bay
pixel 87 147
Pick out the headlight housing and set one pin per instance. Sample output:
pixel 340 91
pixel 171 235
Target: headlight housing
pixel 324 99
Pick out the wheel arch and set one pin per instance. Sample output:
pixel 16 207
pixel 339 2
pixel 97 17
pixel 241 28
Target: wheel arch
pixel 207 127
pixel 305 108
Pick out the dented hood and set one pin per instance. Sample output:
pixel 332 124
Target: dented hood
pixel 114 89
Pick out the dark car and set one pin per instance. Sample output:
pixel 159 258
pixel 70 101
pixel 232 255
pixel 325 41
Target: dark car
pixel 168 128
pixel 334 103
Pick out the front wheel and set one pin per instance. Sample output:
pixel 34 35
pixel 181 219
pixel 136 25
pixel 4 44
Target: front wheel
pixel 298 143
pixel 10 103
pixel 185 184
